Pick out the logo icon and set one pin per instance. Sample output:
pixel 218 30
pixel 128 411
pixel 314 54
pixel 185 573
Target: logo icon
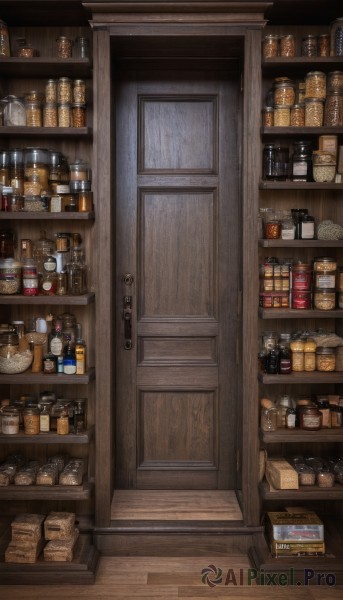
pixel 212 575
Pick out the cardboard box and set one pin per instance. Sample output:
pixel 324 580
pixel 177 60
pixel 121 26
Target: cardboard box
pixel 294 527
pixel 297 548
pixel 281 475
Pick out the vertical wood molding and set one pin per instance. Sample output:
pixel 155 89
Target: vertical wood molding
pixel 251 171
pixel 104 267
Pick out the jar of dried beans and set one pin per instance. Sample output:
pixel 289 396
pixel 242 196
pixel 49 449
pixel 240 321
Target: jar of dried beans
pixel 270 46
pixel 333 113
pixel 314 112
pixel 315 85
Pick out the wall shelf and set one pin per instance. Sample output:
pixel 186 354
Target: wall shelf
pixel 305 492
pixel 300 243
pixel 83 300
pixel 47 216
pixel 47 132
pixel 299 185
pixel 47 492
pixel 45 66
pixel 29 378
pixel 48 438
pixel 290 436
pixel 304 377
pixel 273 132
pixel 292 313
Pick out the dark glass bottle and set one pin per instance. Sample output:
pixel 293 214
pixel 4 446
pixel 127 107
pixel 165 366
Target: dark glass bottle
pixel 272 363
pixel 302 161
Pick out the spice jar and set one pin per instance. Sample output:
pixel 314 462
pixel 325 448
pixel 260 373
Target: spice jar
pixel 333 112
pixel 309 45
pixel 315 85
pixel 31 421
pixel 325 359
pixel 10 420
pixel 290 418
pixel 314 112
pixel 270 46
pixel 310 418
pixel 298 359
pixel 287 45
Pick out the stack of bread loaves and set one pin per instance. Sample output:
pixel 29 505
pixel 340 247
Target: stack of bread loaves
pixel 61 535
pixel 27 541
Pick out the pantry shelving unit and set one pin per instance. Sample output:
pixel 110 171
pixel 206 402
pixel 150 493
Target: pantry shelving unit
pixel 324 201
pixel 19 75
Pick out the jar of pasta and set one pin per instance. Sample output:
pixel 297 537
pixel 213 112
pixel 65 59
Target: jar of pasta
pixel 287 45
pixel 314 112
pixel 298 359
pixel 270 46
pixel 310 347
pixel 284 93
pixel 325 359
pixel 315 85
pixel 282 115
pixel 297 115
pixel 33 114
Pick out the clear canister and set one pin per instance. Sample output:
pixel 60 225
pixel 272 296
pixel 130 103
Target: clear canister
pixel 78 115
pixel 287 45
pixel 4 167
pixel 282 115
pixel 64 47
pixel 270 46
pixel 297 115
pixel 64 90
pixel 315 85
pixel 314 112
pixel 79 91
pixel 284 93
pixel 51 91
pixel 37 164
pixel 50 118
pixel 309 45
pixel 14 112
pixel 33 114
pixel 333 112
pixel 64 115
pixel 335 81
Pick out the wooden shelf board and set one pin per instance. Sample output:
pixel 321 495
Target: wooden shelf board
pixel 300 243
pixel 304 377
pixel 299 435
pixel 47 492
pixel 45 66
pixel 48 438
pixel 292 313
pixel 305 492
pixel 46 378
pixel 47 132
pixel 298 63
pixel 299 131
pixel 299 185
pixel 83 300
pixel 47 216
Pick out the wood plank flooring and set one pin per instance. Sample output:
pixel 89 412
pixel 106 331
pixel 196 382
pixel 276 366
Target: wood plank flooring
pixel 145 578
pixel 175 505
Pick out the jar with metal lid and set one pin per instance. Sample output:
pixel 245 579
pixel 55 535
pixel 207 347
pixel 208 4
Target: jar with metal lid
pixel 78 114
pixel 4 40
pixel 282 115
pixel 51 91
pixel 309 45
pixel 10 276
pixel 324 299
pixel 4 167
pixel 287 45
pixel 333 112
pixel 37 164
pixel 64 115
pixel 301 277
pixel 310 347
pixel 17 170
pixel 85 201
pixel 16 203
pixel 335 81
pixel 50 116
pixel 324 166
pixel 283 403
pixel 64 91
pixel 324 263
pixel 324 277
pixel 270 46
pixel 325 359
pixel 10 420
pixel 82 47
pixel 64 47
pixel 14 112
pixel 314 112
pixel 315 85
pixel 79 91
pixel 336 37
pixel 6 196
pixel 268 116
pixel 302 161
pixel 307 227
pixel 297 115
pixel 273 228
pixel 79 170
pixel 268 162
pixel 324 44
pixel 9 344
pixel 310 418
pixel 300 92
pixel 33 114
pixel 31 421
pixel 284 93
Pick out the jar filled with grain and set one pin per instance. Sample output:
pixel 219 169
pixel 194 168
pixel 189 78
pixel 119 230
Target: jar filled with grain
pixel 325 359
pixel 282 115
pixel 324 166
pixel 270 47
pixel 310 347
pixel 287 45
pixel 64 47
pixel 309 45
pixel 333 113
pixel 297 115
pixel 336 37
pixel 33 114
pixel 325 272
pixel 268 116
pixel 78 115
pixel 298 355
pixel 64 90
pixel 335 81
pixel 50 118
pixel 64 115
pixel 314 112
pixel 284 93
pixel 51 91
pixel 79 91
pixel 5 49
pixel 324 44
pixel 324 299
pixel 31 421
pixel 315 85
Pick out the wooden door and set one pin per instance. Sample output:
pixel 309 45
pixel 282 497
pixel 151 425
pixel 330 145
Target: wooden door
pixel 178 235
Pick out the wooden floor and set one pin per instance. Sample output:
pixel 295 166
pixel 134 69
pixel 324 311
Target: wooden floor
pixel 154 578
pixel 175 505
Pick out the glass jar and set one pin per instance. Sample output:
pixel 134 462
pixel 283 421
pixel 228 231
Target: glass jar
pixel 287 227
pixel 10 276
pixel 268 116
pixel 64 90
pixel 282 115
pixel 325 479
pixel 315 85
pixel 82 47
pixel 336 37
pixel 269 419
pixel 31 421
pixel 80 419
pixel 79 170
pixel 290 420
pixel 9 344
pixel 314 112
pixel 14 112
pixel 64 115
pixel 324 408
pixel 333 112
pixel 325 359
pixel 310 418
pixel 10 420
pixel 51 91
pixel 324 264
pixel 310 347
pixel 270 46
pixel 297 115
pixel 309 45
pixel 33 114
pixel 324 299
pixel 4 168
pixel 79 91
pixel 64 47
pixel 298 358
pixel 307 227
pixel 325 273
pixel 273 229
pixel 282 405
pixel 335 81
pixel 4 40
pixel 302 161
pixel 284 94
pixel 50 116
pixel 287 45
pixel 324 166
pixel 301 277
pixel 37 164
pixel 17 170
pixel 336 416
pixel 324 44
pixel 78 115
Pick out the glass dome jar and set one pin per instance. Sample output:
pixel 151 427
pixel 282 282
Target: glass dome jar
pixel 14 112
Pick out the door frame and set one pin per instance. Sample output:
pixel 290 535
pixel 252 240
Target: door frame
pixel 198 26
